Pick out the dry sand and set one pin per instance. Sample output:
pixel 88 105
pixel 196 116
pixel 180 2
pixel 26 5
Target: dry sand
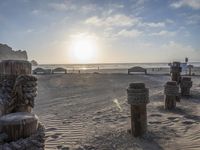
pixel 90 111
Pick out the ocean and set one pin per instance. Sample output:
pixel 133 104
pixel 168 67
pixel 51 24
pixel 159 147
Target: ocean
pixel 108 66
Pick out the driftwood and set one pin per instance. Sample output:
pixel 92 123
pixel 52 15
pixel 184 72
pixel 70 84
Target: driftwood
pixel 138 97
pixel 171 90
pixel 137 69
pixel 19 125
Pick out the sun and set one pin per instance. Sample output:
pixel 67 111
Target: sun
pixel 82 48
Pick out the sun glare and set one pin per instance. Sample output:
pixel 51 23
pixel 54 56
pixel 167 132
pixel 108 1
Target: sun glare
pixel 83 48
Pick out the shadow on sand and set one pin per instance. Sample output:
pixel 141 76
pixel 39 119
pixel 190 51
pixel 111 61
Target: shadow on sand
pixel 122 140
pixel 183 112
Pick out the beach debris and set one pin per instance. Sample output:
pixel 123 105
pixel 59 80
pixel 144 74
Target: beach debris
pixel 185 85
pixel 175 71
pixel 138 97
pixel 171 94
pixel 18 89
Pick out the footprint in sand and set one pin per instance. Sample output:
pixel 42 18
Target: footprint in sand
pixel 50 129
pixel 188 122
pixel 56 135
pixel 154 122
pixel 174 119
pixel 155 115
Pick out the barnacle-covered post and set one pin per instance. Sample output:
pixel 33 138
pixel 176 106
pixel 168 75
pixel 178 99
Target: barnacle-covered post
pixel 175 71
pixel 9 71
pixel 185 85
pixel 138 97
pixel 171 92
pixel 17 92
pixel 25 92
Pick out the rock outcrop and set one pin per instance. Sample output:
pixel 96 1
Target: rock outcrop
pixel 34 63
pixel 7 52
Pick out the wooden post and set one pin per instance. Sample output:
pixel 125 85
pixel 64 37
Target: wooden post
pixel 190 69
pixel 15 67
pixel 171 93
pixel 10 70
pixel 185 85
pixel 176 72
pixel 19 125
pixel 138 97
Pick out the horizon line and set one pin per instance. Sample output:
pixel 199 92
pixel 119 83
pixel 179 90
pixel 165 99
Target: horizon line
pixel 114 63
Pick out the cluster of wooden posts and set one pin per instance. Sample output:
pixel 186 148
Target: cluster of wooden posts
pixel 138 98
pixel 18 126
pixel 18 90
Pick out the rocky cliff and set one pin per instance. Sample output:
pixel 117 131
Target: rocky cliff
pixel 7 52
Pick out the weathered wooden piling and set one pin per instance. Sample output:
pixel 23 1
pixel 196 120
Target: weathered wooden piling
pixel 11 83
pixel 138 97
pixel 171 93
pixel 19 125
pixel 175 72
pixel 15 67
pixel 17 93
pixel 185 85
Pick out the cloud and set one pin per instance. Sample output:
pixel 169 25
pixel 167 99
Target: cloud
pixel 118 20
pixel 117 6
pixel 140 2
pixel 194 4
pixel 89 8
pixel 173 50
pixel 193 19
pixel 170 51
pixel 164 33
pixel 35 12
pixel 153 24
pixel 169 21
pixel 29 30
pixel 129 33
pixel 61 6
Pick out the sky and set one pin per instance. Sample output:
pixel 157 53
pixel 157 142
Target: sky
pixel 102 31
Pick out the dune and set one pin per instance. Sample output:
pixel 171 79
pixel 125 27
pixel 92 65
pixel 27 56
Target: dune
pixel 90 111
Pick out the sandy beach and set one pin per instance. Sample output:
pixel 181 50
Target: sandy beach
pixel 90 111
pixel 99 75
